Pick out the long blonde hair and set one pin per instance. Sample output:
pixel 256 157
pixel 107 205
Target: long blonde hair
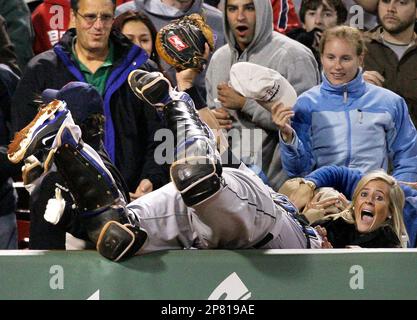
pixel 396 204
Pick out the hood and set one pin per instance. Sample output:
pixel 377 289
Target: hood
pixel 263 28
pixel 64 3
pixel 157 8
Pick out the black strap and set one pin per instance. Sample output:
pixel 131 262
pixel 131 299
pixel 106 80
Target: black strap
pixel 264 241
pixel 194 94
pixel 307 235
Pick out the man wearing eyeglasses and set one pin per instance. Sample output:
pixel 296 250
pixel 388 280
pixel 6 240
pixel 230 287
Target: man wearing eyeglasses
pixel 94 53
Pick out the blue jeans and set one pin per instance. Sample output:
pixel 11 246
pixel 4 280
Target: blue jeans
pixel 8 231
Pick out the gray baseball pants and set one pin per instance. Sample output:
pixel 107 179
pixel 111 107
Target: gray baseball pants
pixel 240 215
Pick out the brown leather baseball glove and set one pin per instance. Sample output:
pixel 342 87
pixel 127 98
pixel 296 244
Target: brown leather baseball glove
pixel 181 43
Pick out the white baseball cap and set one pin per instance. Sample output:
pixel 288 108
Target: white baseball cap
pixel 265 85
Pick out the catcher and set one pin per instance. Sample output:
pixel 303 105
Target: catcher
pixel 181 43
pixel 206 206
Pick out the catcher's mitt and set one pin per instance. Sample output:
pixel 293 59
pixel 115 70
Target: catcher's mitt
pixel 181 43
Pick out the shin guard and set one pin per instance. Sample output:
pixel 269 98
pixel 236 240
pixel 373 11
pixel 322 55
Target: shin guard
pixel 87 178
pixel 98 199
pixel 197 170
pixel 118 241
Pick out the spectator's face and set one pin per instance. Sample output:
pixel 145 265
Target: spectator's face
pixel 340 61
pixel 397 16
pixel 139 34
pixel 241 16
pixel 323 17
pixel 93 35
pixel 371 207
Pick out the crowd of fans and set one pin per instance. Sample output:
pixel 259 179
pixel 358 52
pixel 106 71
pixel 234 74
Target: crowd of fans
pixel 351 63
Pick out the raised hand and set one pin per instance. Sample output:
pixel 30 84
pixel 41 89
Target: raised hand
pixel 281 116
pixel 144 187
pixel 223 117
pixel 374 77
pixel 229 97
pixel 323 234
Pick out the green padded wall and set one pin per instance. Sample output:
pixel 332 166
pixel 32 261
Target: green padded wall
pixel 215 274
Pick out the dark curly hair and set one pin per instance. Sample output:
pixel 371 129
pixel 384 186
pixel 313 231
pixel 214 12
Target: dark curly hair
pixel 337 5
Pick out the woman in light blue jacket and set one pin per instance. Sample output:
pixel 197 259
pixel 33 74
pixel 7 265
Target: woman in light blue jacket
pixel 346 121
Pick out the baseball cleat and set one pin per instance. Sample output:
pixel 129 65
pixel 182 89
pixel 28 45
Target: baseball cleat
pixel 151 87
pixel 39 133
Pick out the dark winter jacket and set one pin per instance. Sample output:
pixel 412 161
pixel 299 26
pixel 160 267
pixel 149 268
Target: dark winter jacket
pixel 7 50
pixel 400 75
pixel 8 82
pixel 306 38
pixel 341 234
pixel 130 124
pixel 19 27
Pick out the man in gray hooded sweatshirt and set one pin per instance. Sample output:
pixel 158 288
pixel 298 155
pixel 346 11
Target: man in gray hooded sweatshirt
pixel 250 38
pixel 162 12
